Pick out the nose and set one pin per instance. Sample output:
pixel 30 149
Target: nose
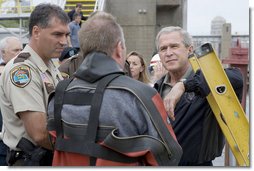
pixel 63 40
pixel 169 51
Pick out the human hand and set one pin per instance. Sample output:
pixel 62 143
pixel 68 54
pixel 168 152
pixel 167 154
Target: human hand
pixel 172 98
pixel 159 70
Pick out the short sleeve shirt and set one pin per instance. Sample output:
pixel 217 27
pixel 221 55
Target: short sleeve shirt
pixel 25 86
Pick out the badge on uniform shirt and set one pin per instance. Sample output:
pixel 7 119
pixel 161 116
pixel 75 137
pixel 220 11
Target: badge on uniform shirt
pixel 65 75
pixel 21 76
pixel 48 85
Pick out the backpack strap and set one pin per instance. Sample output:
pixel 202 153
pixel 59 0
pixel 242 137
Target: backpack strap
pixel 58 104
pixel 95 110
pixel 88 146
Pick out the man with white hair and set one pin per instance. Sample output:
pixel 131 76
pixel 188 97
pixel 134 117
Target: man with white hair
pixel 9 48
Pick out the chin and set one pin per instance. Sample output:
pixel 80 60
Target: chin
pixel 56 55
pixel 172 69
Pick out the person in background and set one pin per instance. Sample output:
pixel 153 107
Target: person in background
pixel 74 29
pixel 25 84
pixel 138 67
pixel 9 48
pixel 67 53
pixel 69 67
pixel 184 92
pixel 78 10
pixel 69 61
pixel 110 119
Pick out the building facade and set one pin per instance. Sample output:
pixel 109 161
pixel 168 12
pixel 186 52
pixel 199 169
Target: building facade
pixel 216 41
pixel 142 19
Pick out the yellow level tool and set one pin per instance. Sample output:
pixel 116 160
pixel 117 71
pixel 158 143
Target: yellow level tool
pixel 224 102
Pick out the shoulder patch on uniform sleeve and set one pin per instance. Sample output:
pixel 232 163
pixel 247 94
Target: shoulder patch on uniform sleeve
pixel 21 76
pixel 22 57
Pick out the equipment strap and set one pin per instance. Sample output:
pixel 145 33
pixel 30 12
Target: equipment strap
pixel 95 111
pixel 89 146
pixel 137 144
pixel 173 148
pixel 26 145
pixel 58 104
pixel 96 106
pixel 92 149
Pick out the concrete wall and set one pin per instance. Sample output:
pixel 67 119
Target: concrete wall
pixel 225 40
pixel 142 19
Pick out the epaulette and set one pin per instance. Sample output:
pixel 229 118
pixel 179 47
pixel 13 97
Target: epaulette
pixel 22 57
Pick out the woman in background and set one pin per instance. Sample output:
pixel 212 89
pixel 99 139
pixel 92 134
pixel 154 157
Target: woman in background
pixel 138 67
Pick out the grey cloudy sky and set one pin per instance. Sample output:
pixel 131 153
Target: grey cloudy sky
pixel 202 12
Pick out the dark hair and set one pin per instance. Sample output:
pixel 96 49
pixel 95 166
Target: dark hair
pixel 43 14
pixel 75 15
pixel 79 5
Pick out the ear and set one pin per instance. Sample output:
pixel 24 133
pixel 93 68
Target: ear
pixel 36 31
pixel 142 69
pixel 119 54
pixel 190 49
pixel 119 49
pixel 3 51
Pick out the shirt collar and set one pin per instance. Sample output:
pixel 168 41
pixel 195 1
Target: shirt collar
pixel 36 59
pixel 185 76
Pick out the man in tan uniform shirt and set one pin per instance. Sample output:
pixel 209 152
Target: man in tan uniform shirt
pixel 27 81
